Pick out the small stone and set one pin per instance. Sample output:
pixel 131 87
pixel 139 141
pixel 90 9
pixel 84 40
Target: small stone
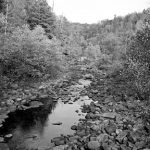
pixel 140 144
pixel 10 102
pixel 105 146
pixel 118 131
pixel 82 148
pixel 77 111
pixel 74 127
pixel 4 146
pixel 70 103
pixel 110 104
pixel 114 147
pixel 1 139
pixel 110 128
pixel 94 91
pixel 8 136
pixel 81 133
pixel 61 142
pixel 14 86
pixel 35 104
pixel 3 117
pixel 43 96
pixel 95 127
pixel 88 76
pixel 92 138
pixel 58 141
pixel 121 136
pixel 74 138
pixel 90 116
pixel 93 145
pixel 18 99
pixel 133 137
pixel 124 147
pixel 61 147
pixel 102 138
pixel 57 123
pixel 109 115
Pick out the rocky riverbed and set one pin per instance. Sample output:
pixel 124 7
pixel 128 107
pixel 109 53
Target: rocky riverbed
pixel 109 122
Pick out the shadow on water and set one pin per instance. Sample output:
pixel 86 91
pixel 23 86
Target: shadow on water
pixel 26 125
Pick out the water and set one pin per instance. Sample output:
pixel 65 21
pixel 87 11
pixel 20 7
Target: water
pixel 34 128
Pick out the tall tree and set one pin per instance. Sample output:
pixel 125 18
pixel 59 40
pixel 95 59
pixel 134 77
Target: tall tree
pixel 40 13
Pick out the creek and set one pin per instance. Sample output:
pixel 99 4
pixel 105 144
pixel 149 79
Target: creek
pixel 36 127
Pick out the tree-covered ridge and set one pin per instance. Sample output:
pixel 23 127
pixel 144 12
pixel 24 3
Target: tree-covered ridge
pixel 39 40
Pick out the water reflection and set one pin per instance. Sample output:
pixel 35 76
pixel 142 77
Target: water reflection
pixel 34 129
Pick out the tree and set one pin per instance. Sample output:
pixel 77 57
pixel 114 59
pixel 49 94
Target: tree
pixel 139 63
pixel 40 13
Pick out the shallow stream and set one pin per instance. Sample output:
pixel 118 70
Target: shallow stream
pixel 34 128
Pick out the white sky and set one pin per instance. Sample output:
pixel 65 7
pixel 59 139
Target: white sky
pixel 92 11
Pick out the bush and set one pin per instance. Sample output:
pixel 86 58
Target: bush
pixel 27 53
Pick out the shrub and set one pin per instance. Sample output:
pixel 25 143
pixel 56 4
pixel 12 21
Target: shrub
pixel 27 53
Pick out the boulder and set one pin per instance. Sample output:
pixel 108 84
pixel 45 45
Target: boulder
pixel 93 145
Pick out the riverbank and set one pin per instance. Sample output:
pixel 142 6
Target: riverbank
pixel 111 121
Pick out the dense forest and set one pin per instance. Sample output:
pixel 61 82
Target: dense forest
pixel 35 42
pixel 37 46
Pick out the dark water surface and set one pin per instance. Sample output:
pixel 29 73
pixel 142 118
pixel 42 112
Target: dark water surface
pixel 34 128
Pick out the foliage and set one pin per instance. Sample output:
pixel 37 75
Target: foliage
pixel 28 53
pixel 139 64
pixel 40 13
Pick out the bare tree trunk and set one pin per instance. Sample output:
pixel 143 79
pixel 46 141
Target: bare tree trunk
pixel 6 17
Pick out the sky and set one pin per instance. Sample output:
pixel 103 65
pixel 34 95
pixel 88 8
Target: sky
pixel 93 11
